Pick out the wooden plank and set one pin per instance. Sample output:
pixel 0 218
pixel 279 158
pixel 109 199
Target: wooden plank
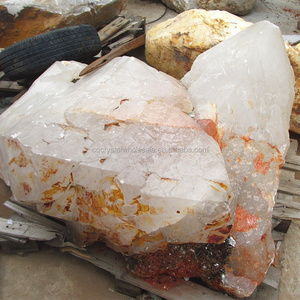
pixel 126 288
pixel 18 96
pixel 265 292
pixel 133 44
pixel 293 159
pixel 292 167
pixel 34 216
pixel 286 213
pixel 277 236
pixel 28 230
pixel 289 204
pixel 273 277
pixel 112 28
pixel 135 26
pixel 289 186
pixel 10 86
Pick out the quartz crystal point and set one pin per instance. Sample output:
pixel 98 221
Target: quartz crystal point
pixel 249 81
pixel 115 152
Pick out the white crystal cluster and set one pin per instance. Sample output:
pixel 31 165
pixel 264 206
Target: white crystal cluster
pixel 115 151
pixel 249 80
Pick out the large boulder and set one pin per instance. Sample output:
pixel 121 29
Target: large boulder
pixel 173 45
pixel 294 56
pixel 238 7
pixel 22 19
pixel 129 162
pixel 248 80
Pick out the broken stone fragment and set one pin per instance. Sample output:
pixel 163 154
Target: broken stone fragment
pixel 23 19
pixel 238 7
pixel 127 162
pixel 248 78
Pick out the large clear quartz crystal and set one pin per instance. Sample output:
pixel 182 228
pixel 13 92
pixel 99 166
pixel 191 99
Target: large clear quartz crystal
pixel 248 82
pixel 116 152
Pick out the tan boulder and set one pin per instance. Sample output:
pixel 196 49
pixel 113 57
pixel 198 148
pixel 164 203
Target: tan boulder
pixel 294 56
pixel 173 45
pixel 238 7
pixel 22 19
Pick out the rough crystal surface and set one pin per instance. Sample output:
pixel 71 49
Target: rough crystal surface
pixel 115 151
pixel 251 87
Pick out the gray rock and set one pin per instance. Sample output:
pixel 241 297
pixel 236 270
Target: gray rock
pixel 238 7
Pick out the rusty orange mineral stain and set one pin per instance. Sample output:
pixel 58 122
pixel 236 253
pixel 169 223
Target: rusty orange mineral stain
pixel 107 201
pixel 13 144
pixel 261 166
pixel 238 160
pixel 225 230
pixel 98 203
pixel 215 188
pixel 147 238
pixel 166 179
pixel 218 222
pixel 109 125
pixel 211 128
pixel 223 145
pixel 21 161
pixel 246 138
pixel 215 238
pixel 48 205
pixel 26 187
pixel 124 100
pixel 55 188
pixel 220 184
pixel 47 173
pixel 244 220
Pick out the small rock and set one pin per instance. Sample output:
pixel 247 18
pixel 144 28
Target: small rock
pixel 23 19
pixel 238 7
